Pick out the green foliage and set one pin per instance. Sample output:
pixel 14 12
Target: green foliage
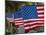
pixel 13 6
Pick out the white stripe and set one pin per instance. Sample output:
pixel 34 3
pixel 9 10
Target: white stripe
pixel 18 18
pixel 40 11
pixel 33 19
pixel 19 21
pixel 33 26
pixel 40 7
pixel 10 19
pixel 29 27
pixel 41 15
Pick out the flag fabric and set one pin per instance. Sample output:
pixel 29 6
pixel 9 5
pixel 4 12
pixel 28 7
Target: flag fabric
pixel 30 17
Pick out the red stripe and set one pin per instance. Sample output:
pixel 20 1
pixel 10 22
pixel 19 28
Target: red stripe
pixel 41 17
pixel 40 9
pixel 40 5
pixel 18 25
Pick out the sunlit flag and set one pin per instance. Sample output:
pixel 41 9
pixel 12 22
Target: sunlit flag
pixel 30 16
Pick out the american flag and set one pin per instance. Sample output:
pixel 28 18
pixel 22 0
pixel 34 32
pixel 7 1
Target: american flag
pixel 30 24
pixel 37 20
